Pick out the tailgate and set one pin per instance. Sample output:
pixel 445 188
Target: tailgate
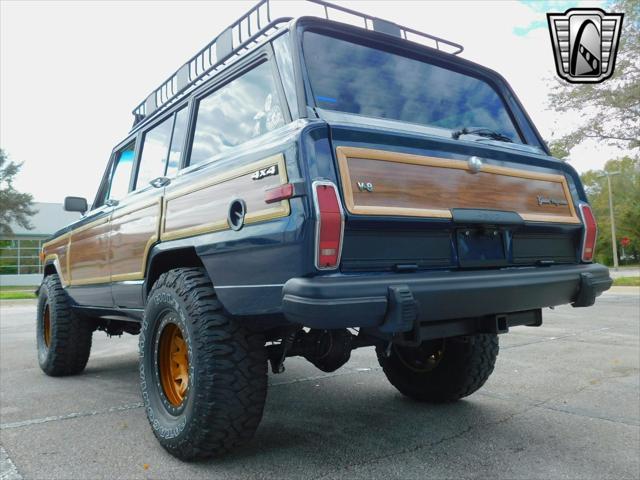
pixel 383 183
pixel 408 212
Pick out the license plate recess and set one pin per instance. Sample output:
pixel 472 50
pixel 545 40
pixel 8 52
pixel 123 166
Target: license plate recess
pixel 481 247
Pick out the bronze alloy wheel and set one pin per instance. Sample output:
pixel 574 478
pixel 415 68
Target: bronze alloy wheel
pixel 46 326
pixel 173 364
pixel 203 376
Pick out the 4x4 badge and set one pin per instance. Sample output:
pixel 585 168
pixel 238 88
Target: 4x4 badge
pixel 265 172
pixel 585 43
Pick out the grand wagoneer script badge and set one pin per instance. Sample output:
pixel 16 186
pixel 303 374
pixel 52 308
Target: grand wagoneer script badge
pixel 265 172
pixel 542 200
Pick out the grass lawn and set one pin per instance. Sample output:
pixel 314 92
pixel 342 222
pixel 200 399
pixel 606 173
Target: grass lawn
pixel 627 282
pixel 21 293
pixel 15 294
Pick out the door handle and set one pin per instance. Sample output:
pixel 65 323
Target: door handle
pixel 160 182
pixel 112 202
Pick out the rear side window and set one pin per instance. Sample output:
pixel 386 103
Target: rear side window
pixel 285 66
pixel 241 110
pixel 121 173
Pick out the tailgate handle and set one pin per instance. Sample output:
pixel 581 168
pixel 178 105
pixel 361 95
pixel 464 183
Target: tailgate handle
pixel 481 216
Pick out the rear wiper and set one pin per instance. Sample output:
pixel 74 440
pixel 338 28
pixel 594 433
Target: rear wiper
pixel 483 132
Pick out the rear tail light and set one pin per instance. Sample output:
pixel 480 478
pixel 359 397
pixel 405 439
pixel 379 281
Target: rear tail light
pixel 590 232
pixel 329 225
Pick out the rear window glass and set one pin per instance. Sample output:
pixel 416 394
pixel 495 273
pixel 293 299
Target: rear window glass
pixel 353 78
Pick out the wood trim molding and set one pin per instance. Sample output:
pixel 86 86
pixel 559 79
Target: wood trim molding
pixel 56 240
pixel 56 263
pixel 346 153
pixel 139 275
pixel 90 281
pixel 282 209
pixel 102 220
pixel 235 173
pixel 89 225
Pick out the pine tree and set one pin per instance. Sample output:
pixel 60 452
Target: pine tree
pixel 15 207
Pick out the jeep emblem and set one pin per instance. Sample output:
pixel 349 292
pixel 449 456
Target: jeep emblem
pixel 475 164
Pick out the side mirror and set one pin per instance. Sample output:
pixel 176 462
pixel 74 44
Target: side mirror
pixel 75 204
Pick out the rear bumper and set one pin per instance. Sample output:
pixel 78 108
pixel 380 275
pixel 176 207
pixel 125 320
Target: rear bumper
pixel 394 302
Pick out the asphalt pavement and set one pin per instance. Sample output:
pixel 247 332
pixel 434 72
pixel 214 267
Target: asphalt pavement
pixel 563 402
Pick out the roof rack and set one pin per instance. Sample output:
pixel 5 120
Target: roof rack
pixel 251 30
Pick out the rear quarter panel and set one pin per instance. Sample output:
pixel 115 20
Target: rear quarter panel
pixel 248 267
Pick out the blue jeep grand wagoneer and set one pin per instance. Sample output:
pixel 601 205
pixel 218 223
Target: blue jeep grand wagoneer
pixel 305 187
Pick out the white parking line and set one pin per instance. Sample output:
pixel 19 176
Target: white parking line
pixel 35 421
pixel 132 406
pixel 8 470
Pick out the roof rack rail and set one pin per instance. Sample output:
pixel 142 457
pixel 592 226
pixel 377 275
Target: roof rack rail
pixel 385 26
pixel 248 32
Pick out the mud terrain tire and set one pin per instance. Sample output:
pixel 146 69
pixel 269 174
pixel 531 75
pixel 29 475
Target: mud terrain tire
pixel 226 386
pixel 441 371
pixel 63 337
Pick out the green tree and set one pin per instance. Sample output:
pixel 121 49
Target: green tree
pixel 626 205
pixel 609 111
pixel 15 207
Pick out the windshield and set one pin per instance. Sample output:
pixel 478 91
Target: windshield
pixel 353 78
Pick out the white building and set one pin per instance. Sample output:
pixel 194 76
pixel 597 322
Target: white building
pixel 19 253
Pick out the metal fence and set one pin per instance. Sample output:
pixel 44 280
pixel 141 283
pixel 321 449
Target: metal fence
pixel 20 256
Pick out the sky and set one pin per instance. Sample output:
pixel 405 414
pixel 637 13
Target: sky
pixel 71 72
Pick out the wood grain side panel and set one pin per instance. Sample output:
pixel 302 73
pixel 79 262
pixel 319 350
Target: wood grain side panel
pixel 133 231
pixel 56 251
pixel 410 185
pixel 89 253
pixel 204 207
